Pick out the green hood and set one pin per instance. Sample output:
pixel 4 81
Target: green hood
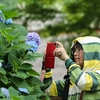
pixel 91 47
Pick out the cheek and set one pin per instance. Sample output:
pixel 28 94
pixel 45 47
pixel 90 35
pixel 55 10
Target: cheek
pixel 82 58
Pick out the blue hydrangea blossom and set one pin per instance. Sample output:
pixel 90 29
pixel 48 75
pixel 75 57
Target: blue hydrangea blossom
pixel 8 21
pixel 5 92
pixel 33 39
pixel 23 90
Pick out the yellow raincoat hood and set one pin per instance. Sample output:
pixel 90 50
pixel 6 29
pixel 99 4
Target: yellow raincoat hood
pixel 91 47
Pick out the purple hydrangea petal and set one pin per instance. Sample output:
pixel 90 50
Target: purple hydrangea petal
pixel 5 92
pixel 33 36
pixel 9 21
pixel 33 44
pixel 23 90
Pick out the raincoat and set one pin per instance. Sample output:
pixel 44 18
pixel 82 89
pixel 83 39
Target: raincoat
pixel 85 81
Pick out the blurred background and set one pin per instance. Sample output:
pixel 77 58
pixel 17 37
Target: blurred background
pixel 61 20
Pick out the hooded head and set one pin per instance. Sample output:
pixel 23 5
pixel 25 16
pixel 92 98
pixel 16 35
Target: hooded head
pixel 91 51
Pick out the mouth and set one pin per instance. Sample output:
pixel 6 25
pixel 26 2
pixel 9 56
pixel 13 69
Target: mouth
pixel 76 59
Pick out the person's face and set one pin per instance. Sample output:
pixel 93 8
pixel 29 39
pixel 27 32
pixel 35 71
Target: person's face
pixel 79 57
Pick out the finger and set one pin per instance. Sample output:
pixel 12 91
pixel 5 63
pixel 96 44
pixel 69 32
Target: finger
pixel 59 44
pixel 57 52
pixel 54 52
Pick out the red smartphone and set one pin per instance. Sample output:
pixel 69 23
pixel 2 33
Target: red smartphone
pixel 49 57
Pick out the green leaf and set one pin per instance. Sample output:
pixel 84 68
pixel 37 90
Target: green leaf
pixel 4 46
pixel 2 49
pixel 2 71
pixel 36 55
pixel 34 81
pixel 30 97
pixel 32 72
pixel 3 78
pixel 12 91
pixel 19 82
pixel 33 56
pixel 5 51
pixel 4 42
pixel 17 98
pixel 19 37
pixel 16 53
pixel 7 36
pixel 26 66
pixel 13 60
pixel 22 46
pixel 21 28
pixel 9 14
pixel 2 26
pixel 21 74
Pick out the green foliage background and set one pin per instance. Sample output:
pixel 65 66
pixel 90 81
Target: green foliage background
pixel 82 16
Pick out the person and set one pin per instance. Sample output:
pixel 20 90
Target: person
pixel 83 66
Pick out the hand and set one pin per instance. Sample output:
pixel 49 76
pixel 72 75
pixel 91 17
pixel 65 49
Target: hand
pixel 60 52
pixel 42 75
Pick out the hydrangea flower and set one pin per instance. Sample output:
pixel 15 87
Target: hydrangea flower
pixel 33 44
pixel 5 92
pixel 33 39
pixel 23 90
pixel 33 36
pixel 8 21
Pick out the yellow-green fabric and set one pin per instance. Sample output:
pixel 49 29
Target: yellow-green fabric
pixel 87 79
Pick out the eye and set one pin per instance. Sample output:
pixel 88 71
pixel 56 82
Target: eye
pixel 78 49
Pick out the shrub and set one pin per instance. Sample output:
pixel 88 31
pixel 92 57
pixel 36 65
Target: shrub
pixel 18 81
